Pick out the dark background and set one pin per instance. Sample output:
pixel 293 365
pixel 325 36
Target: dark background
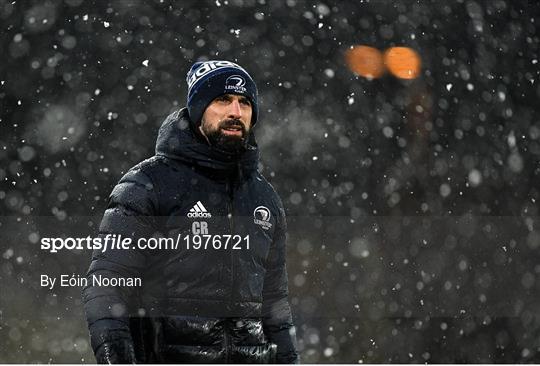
pixel 412 204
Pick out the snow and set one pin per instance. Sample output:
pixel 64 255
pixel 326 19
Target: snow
pixel 412 204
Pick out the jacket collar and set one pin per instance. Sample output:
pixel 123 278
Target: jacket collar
pixel 177 141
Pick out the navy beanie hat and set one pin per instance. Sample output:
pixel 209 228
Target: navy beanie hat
pixel 209 79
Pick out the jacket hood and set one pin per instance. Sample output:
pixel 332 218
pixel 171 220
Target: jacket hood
pixel 177 141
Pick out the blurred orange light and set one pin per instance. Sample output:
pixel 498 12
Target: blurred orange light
pixel 402 62
pixel 365 61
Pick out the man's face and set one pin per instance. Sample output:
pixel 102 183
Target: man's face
pixel 226 121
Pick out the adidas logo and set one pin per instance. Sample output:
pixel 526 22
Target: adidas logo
pixel 198 211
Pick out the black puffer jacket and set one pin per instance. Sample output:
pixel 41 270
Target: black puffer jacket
pixel 194 305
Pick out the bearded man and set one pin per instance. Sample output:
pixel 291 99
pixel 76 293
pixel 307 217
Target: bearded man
pixel 221 295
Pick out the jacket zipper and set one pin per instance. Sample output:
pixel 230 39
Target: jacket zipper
pixel 226 339
pixel 231 228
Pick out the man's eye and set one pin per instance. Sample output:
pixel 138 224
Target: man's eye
pixel 222 99
pixel 245 101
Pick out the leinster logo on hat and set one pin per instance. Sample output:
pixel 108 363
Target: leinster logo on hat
pixel 235 84
pixel 200 69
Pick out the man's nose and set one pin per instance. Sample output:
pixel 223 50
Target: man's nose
pixel 235 111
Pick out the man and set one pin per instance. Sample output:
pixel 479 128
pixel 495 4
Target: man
pixel 221 295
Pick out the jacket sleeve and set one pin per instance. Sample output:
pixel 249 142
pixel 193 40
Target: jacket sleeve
pixel 129 213
pixel 277 318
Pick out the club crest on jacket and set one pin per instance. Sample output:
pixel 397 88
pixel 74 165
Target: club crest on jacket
pixel 261 216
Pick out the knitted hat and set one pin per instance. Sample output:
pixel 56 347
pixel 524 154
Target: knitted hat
pixel 210 79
